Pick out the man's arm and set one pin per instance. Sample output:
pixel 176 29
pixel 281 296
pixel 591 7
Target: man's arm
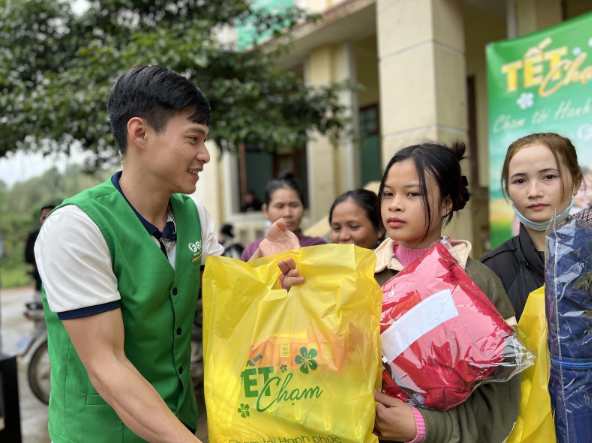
pixel 83 278
pixel 98 340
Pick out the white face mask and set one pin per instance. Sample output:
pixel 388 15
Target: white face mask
pixel 542 226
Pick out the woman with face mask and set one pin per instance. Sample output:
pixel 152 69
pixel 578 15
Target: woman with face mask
pixel 541 176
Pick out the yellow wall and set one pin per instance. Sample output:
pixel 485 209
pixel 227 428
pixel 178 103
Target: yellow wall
pixel 366 54
pixel 323 174
pixel 481 29
pixel 321 5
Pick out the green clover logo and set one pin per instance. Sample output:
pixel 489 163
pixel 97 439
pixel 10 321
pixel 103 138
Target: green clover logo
pixel 283 368
pixel 244 410
pixel 306 360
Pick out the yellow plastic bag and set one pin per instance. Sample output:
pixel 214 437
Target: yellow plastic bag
pixel 535 422
pixel 297 366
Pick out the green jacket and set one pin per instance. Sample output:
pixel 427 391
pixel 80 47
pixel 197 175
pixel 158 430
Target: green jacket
pixel 489 414
pixel 157 306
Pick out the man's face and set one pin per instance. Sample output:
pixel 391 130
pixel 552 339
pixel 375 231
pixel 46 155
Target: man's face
pixel 178 153
pixel 44 213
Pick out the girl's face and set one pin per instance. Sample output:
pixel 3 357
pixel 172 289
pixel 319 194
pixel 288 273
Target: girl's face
pixel 285 203
pixel 534 185
pixel 349 224
pixel 402 207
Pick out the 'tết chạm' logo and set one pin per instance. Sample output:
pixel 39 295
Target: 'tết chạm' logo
pixel 549 69
pixel 276 388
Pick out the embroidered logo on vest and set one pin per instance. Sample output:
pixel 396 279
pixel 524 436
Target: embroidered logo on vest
pixel 196 249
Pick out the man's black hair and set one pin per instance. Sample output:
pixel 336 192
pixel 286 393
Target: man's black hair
pixel 155 94
pixel 48 206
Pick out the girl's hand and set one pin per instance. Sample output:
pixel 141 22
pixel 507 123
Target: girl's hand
pixel 278 239
pixel 394 419
pixel 290 276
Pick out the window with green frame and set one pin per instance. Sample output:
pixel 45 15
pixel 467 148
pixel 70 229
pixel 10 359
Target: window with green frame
pixel 262 166
pixel 369 144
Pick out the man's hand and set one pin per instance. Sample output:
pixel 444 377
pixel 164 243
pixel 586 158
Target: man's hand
pixel 394 419
pixel 279 239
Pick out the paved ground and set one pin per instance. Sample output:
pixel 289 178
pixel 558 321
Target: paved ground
pixel 33 412
pixel 15 327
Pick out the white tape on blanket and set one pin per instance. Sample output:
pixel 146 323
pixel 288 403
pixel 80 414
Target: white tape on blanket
pixel 418 321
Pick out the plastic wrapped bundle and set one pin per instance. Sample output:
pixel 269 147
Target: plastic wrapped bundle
pixel 441 336
pixel 568 280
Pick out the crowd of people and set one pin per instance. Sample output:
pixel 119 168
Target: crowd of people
pixel 119 310
pixel 540 176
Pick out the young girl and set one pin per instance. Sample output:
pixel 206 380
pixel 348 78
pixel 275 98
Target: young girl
pixel 421 189
pixel 541 176
pixel 353 219
pixel 283 199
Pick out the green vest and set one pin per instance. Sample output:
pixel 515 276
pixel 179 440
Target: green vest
pixel 157 306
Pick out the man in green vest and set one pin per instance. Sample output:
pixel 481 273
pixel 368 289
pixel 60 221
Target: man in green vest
pixel 121 263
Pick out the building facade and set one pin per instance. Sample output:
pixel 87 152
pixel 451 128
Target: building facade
pixel 423 68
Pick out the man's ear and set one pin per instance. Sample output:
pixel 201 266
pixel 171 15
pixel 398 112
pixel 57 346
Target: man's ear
pixel 136 132
pixel 264 209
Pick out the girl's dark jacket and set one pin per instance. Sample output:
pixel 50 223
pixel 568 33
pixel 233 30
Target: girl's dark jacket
pixel 519 266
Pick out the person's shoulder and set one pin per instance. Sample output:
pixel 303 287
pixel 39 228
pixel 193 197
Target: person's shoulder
pixel 504 261
pixel 489 282
pixel 505 250
pixel 66 216
pixel 476 267
pixel 314 241
pixel 254 244
pixel 105 189
pixel 202 211
pixel 250 249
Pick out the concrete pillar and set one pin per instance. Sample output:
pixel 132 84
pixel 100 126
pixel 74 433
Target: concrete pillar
pixel 229 185
pixel 331 169
pixel 534 15
pixel 422 69
pixel 548 13
pixel 208 189
pixel 348 152
pixel 320 153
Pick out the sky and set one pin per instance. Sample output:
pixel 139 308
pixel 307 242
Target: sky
pixel 23 166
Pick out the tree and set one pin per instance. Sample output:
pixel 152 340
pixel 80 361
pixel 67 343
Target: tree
pixel 57 68
pixel 20 205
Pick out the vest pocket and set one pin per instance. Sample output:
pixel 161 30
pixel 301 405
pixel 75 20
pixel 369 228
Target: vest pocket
pixel 95 400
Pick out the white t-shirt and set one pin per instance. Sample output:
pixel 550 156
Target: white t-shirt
pixel 74 261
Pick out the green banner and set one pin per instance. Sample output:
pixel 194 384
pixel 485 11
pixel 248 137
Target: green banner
pixel 541 82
